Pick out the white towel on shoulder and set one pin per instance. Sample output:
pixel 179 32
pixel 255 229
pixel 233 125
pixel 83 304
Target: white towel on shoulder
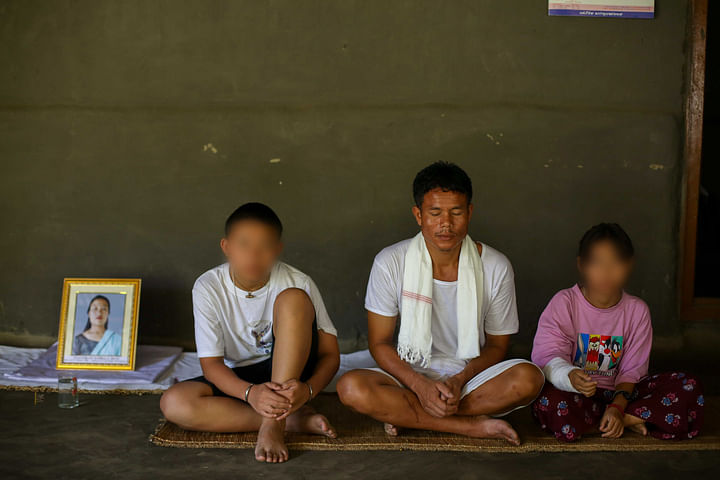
pixel 415 337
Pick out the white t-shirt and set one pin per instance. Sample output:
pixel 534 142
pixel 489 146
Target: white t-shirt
pixel 499 309
pixel 229 325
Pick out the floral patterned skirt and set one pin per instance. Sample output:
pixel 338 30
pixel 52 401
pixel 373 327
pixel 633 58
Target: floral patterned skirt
pixel 671 404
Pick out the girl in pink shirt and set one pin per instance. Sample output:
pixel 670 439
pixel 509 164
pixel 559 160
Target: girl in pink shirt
pixel 593 343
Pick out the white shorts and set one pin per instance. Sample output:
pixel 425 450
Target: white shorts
pixel 475 382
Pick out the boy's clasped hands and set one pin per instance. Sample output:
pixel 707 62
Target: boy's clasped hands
pixel 278 400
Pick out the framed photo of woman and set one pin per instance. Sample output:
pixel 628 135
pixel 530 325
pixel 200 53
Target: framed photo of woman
pixel 98 323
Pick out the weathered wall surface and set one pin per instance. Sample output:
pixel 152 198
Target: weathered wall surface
pixel 129 130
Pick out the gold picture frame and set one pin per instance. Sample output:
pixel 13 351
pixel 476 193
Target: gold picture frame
pixel 107 340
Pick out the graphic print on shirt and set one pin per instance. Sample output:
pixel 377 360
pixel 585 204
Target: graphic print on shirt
pixel 598 354
pixel 263 346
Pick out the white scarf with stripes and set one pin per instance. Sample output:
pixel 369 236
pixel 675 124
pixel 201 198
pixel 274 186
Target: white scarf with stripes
pixel 415 337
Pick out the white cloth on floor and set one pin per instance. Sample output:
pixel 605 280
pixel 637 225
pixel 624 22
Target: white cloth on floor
pixel 151 361
pixel 351 361
pixel 157 368
pixel 185 367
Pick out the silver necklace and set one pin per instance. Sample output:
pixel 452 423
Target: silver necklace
pixel 253 326
pixel 232 277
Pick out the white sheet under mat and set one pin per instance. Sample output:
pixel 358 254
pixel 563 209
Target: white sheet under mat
pixel 157 368
pixel 184 366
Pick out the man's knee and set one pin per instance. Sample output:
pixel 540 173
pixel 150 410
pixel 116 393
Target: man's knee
pixel 354 390
pixel 294 303
pixel 526 381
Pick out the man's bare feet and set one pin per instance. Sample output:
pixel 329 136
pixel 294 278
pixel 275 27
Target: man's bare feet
pixel 483 426
pixel 307 420
pixel 480 426
pixel 270 445
pixel 392 430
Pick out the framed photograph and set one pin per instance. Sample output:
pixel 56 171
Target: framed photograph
pixel 98 323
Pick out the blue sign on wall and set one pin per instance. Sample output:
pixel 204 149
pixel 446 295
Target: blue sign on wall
pixel 603 8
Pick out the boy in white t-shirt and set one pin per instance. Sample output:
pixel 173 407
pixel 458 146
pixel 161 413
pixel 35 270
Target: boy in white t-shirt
pixel 265 341
pixel 424 380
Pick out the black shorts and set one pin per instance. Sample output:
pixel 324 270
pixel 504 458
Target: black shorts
pixel 262 372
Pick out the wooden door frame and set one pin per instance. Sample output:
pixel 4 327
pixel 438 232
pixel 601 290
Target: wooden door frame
pixel 694 308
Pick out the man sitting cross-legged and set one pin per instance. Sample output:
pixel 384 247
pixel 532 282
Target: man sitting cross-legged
pixel 265 341
pixel 456 302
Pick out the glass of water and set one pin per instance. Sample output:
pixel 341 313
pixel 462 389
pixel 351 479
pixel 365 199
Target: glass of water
pixel 67 392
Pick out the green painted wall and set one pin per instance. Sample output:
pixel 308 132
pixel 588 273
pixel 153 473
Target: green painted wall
pixel 130 130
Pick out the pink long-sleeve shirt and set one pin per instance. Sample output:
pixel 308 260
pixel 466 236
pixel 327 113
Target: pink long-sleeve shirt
pixel 612 345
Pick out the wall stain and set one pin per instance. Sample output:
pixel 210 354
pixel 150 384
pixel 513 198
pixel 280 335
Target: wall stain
pixel 209 147
pixel 493 139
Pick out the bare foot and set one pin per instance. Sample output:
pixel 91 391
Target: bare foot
pixel 639 428
pixel 392 430
pixel 307 420
pixel 636 424
pixel 629 420
pixel 483 426
pixel 270 445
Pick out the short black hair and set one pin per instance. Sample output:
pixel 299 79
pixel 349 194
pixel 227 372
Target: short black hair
pixel 254 211
pixel 445 175
pixel 611 232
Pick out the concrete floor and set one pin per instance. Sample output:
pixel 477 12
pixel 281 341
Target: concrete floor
pixel 107 437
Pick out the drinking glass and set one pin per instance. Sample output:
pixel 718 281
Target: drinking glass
pixel 67 392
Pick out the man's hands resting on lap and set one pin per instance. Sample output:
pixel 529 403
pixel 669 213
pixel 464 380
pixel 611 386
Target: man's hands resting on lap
pixel 439 398
pixel 436 397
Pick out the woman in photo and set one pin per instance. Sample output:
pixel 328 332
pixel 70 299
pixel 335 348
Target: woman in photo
pixel 96 338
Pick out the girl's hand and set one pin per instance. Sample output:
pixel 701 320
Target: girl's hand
pixel 265 400
pixel 582 382
pixel 612 424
